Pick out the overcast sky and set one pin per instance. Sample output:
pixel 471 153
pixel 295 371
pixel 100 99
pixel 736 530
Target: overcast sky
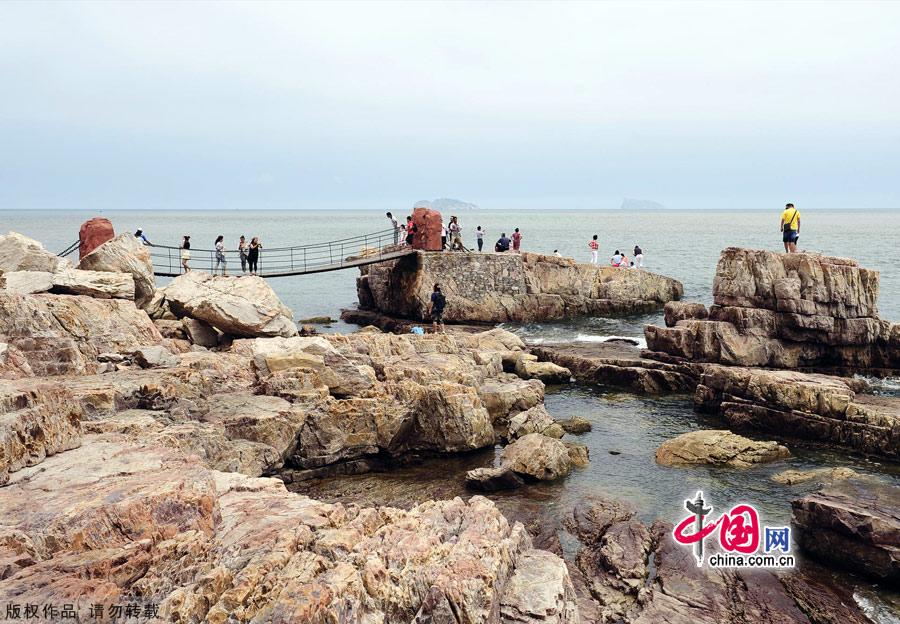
pixel 256 105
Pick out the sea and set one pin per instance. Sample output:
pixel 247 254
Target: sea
pixel 684 244
pixel 627 429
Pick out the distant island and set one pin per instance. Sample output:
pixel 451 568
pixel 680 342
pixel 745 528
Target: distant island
pixel 641 204
pixel 446 204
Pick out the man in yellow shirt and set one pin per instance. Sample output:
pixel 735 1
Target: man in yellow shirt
pixel 790 228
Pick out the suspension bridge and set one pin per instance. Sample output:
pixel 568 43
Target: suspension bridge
pixel 333 255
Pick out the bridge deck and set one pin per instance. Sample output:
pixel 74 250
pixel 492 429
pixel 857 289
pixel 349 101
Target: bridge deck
pixel 320 268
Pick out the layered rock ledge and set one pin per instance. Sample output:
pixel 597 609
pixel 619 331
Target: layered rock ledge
pixel 496 288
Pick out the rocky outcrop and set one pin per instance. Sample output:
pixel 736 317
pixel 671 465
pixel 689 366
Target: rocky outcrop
pixel 35 422
pixel 802 405
pixel 718 448
pixel 241 306
pixel 20 253
pixel 534 420
pixel 640 575
pixel 785 311
pixel 855 525
pixel 427 235
pixel 63 335
pixel 538 457
pixel 492 288
pixel 125 254
pixel 822 475
pixel 67 280
pixel 124 522
pixel 93 233
pixel 615 363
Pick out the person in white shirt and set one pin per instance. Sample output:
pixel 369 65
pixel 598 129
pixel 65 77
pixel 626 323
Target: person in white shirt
pixel 479 236
pixel 396 225
pixel 638 257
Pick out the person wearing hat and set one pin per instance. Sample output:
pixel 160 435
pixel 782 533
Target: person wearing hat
pixel 185 253
pixel 140 234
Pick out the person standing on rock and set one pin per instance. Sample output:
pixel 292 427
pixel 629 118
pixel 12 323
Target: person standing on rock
pixel 638 257
pixel 516 239
pixel 185 253
pixel 790 228
pixel 455 235
pixel 220 255
pixel 242 253
pixel 443 236
pixel 438 301
pixel 253 255
pixel 394 226
pixel 479 236
pixel 410 230
pixel 595 248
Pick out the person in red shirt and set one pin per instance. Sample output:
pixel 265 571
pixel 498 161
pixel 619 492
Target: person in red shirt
pixel 595 246
pixel 516 239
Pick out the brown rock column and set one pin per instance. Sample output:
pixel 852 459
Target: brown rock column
pixel 428 233
pixel 94 233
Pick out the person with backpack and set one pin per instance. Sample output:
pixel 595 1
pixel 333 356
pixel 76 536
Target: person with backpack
pixel 595 246
pixel 438 301
pixel 790 228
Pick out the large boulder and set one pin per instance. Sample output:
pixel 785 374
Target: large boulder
pixel 240 306
pixel 784 311
pixel 67 280
pixel 491 288
pixel 64 334
pixel 125 254
pixel 428 229
pixel 538 457
pixel 93 233
pixel 20 253
pixel 853 524
pixel 718 448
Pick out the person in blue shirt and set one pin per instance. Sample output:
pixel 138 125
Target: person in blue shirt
pixel 140 234
pixel 502 243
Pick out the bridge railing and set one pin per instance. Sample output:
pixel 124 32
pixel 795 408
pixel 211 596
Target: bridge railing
pixel 282 261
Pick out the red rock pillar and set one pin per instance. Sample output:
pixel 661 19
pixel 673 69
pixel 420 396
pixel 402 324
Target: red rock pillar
pixel 428 229
pixel 94 233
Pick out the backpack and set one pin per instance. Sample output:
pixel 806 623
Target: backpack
pixel 439 300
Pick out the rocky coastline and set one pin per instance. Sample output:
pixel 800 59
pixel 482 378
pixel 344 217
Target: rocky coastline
pixel 147 436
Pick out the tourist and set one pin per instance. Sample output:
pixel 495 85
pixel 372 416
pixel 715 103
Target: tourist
pixel 595 246
pixel 253 255
pixel 455 235
pixel 395 226
pixel 516 239
pixel 556 253
pixel 220 255
pixel 410 230
pixel 638 257
pixel 438 301
pixel 790 228
pixel 479 236
pixel 623 263
pixel 242 253
pixel 443 236
pixel 616 259
pixel 502 243
pixel 185 253
pixel 631 266
pixel 139 234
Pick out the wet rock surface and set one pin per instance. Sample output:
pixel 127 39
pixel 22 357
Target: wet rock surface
pixel 854 524
pixel 718 447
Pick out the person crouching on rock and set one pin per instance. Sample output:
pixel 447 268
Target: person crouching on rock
pixel 502 243
pixel 220 255
pixel 185 253
pixel 438 301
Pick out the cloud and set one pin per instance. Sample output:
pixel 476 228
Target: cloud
pixel 484 99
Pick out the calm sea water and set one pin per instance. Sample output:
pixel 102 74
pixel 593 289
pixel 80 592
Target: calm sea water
pixel 682 244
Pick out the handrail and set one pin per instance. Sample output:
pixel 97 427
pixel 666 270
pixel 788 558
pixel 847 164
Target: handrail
pixel 71 248
pixel 283 261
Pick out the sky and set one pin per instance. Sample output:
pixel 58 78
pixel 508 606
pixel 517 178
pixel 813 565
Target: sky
pixel 224 106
